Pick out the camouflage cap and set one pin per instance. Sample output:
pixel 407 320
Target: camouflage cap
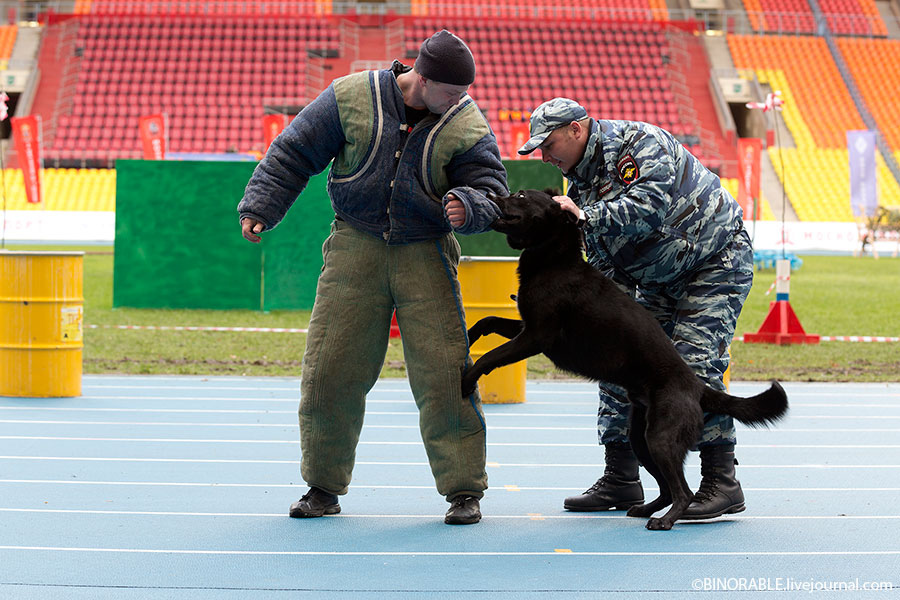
pixel 549 116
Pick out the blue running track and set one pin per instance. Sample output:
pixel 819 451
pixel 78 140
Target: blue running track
pixel 178 487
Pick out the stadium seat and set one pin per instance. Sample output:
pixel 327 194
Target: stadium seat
pixel 182 65
pixel 65 189
pixel 875 66
pixel 817 113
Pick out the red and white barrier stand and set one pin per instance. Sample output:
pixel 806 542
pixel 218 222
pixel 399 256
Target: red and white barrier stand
pixel 781 326
pixel 395 329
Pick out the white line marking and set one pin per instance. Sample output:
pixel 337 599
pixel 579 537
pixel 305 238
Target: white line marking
pixel 532 390
pixel 189 424
pixel 743 430
pixel 852 490
pixel 566 517
pixel 402 401
pixel 414 443
pixel 405 463
pixel 393 413
pixel 472 554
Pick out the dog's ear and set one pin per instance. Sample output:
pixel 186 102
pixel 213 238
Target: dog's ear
pixel 553 191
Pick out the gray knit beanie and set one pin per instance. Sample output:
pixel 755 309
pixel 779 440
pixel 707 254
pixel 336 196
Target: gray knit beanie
pixel 446 59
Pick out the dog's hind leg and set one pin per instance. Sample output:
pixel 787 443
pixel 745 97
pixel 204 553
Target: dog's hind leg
pixel 667 440
pixel 508 328
pixel 637 436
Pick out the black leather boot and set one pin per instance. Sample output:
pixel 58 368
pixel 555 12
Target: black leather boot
pixel 464 510
pixel 618 489
pixel 315 503
pixel 720 492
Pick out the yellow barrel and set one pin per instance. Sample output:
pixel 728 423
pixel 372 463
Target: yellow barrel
pixel 726 377
pixel 41 313
pixel 487 284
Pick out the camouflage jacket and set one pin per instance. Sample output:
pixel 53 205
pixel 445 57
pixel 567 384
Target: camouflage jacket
pixel 653 212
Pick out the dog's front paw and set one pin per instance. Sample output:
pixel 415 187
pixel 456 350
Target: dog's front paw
pixel 658 524
pixel 478 330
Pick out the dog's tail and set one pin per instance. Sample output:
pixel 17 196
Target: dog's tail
pixel 756 411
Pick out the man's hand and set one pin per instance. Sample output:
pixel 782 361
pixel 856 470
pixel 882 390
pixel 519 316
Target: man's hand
pixel 249 229
pixel 566 204
pixel 455 211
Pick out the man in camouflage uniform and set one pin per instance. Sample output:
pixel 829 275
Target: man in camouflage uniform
pixel 659 224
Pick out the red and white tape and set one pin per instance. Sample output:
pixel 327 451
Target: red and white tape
pixel 845 338
pixel 739 338
pixel 200 328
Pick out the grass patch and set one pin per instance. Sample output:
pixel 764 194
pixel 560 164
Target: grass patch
pixel 832 295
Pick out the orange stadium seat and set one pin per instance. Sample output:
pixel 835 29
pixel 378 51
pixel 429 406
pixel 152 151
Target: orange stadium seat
pixel 7 42
pixel 875 66
pixel 780 15
pixel 817 86
pixel 541 9
pixel 853 17
pixel 818 111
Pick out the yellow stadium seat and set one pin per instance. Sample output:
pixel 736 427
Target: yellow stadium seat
pixel 65 189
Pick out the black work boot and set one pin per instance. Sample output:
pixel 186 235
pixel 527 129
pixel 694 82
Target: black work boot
pixel 315 503
pixel 618 489
pixel 720 492
pixel 464 510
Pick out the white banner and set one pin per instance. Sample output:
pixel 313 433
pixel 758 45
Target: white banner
pixel 100 226
pixel 809 237
pixel 60 226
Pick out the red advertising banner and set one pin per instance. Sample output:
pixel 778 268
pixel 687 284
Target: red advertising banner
pixel 272 126
pixel 749 150
pixel 27 131
pixel 153 136
pixel 519 135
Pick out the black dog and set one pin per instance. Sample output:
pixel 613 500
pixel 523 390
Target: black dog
pixel 586 325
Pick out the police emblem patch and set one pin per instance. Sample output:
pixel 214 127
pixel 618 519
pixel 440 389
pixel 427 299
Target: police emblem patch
pixel 628 169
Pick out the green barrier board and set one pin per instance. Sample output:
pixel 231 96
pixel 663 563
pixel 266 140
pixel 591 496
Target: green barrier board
pixel 178 241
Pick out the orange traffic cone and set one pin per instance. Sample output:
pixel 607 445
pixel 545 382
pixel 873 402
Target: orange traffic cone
pixel 395 328
pixel 781 326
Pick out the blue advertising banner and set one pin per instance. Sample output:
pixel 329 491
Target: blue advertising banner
pixel 863 192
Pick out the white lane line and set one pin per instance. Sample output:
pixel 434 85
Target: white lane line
pixel 412 443
pixel 744 430
pixel 492 464
pixel 540 387
pixel 393 413
pixel 566 517
pixel 401 401
pixel 298 486
pixel 471 553
pixel 189 424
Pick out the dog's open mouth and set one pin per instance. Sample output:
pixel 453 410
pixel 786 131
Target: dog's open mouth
pixel 508 219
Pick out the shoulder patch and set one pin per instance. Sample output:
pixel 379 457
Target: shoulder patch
pixel 604 189
pixel 628 169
